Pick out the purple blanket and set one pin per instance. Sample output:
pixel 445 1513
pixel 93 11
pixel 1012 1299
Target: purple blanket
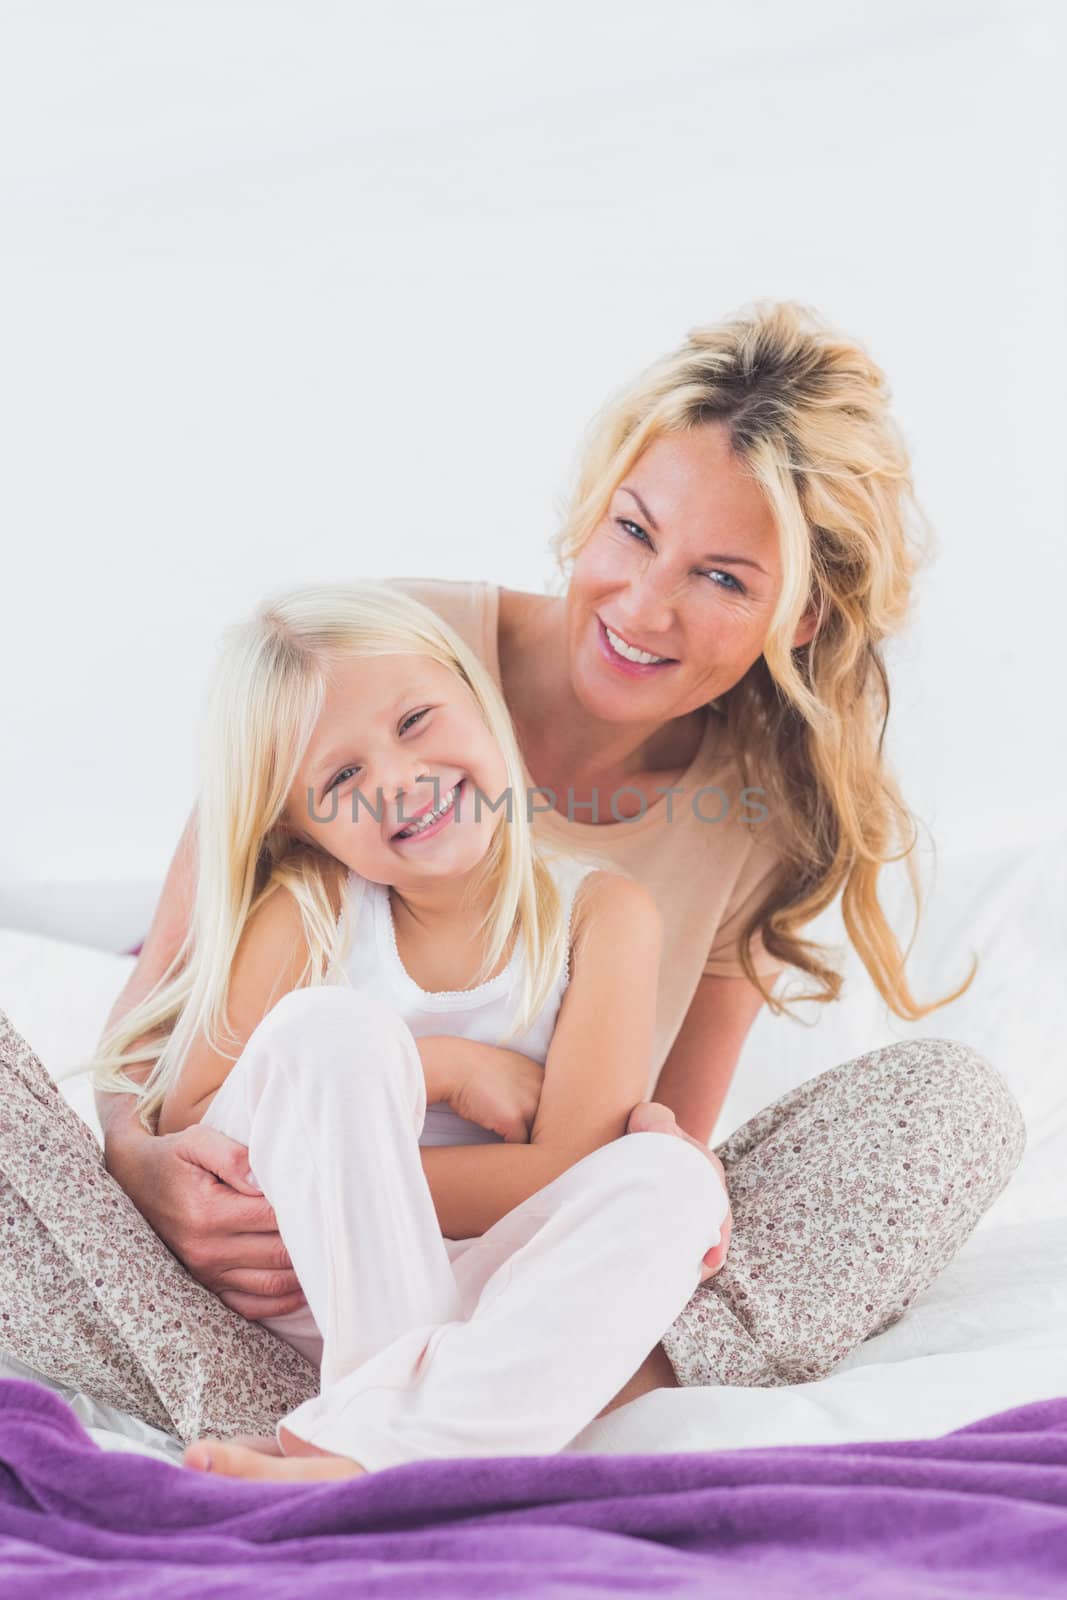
pixel 982 1511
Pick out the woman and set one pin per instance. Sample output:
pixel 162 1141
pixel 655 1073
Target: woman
pixel 709 692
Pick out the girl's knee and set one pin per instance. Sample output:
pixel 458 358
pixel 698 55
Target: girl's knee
pixel 326 1006
pixel 335 1027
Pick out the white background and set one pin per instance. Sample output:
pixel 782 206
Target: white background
pixel 307 290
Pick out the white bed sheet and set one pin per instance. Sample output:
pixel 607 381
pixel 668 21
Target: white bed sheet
pixel 990 1333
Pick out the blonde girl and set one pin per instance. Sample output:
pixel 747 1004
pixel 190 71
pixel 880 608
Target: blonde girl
pixel 368 874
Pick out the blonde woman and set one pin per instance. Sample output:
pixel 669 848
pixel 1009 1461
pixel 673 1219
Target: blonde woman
pixel 702 706
pixel 374 965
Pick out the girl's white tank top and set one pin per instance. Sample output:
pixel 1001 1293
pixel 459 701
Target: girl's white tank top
pixel 484 1013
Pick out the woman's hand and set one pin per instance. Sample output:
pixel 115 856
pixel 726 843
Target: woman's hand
pixel 715 1258
pixel 651 1116
pixel 496 1088
pixel 195 1190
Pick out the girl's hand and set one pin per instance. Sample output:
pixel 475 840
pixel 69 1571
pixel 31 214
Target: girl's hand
pixel 496 1088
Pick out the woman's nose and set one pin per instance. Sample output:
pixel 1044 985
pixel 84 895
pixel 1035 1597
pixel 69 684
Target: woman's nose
pixel 646 610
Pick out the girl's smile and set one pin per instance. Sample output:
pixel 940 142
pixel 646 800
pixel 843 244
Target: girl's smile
pixel 381 787
pixel 418 830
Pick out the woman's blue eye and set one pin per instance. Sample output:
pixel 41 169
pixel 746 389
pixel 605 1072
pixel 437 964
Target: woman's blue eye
pixel 716 572
pixel 340 778
pixel 632 527
pixel 731 581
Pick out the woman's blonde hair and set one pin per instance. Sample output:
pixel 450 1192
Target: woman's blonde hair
pixel 265 699
pixel 807 412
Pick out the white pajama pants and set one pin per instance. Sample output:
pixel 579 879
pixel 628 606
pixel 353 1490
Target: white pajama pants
pixel 505 1344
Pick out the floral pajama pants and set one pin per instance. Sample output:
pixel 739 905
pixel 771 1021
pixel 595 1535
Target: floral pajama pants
pixel 849 1195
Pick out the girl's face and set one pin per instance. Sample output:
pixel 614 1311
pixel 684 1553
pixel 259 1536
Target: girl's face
pixel 685 566
pixel 388 722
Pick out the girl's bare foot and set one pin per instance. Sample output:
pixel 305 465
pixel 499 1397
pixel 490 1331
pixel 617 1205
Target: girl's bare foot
pixel 655 1372
pixel 265 1443
pixel 231 1460
pixel 651 1117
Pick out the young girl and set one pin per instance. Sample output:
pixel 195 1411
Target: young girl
pixel 397 964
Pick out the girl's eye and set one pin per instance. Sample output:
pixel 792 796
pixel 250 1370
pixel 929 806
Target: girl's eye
pixel 346 771
pixel 340 778
pixel 636 531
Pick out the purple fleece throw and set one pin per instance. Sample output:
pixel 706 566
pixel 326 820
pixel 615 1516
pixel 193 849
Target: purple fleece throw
pixel 982 1511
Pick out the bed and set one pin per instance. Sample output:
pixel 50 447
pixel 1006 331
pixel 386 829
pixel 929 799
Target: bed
pixel 988 1340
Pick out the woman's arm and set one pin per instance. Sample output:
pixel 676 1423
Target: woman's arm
pixel 697 1073
pixel 699 1069
pixel 595 1072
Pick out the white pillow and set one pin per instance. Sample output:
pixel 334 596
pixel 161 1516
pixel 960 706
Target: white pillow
pixel 59 995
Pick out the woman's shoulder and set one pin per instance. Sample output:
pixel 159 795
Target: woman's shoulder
pixel 440 592
pixel 468 606
pixel 465 601
pixel 452 598
pixel 445 586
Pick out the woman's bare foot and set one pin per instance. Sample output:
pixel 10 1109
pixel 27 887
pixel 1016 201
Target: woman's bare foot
pixel 231 1460
pixel 651 1117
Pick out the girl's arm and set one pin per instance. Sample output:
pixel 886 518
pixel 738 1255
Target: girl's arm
pixel 270 957
pixel 596 1070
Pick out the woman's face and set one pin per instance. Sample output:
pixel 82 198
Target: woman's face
pixel 684 566
pixel 386 723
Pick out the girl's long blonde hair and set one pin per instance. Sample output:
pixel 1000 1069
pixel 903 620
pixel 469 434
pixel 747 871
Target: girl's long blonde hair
pixel 807 412
pixel 266 696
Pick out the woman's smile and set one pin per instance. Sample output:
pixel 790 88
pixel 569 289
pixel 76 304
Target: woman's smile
pixel 612 645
